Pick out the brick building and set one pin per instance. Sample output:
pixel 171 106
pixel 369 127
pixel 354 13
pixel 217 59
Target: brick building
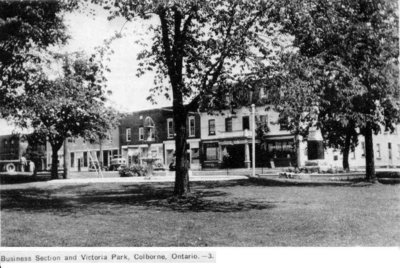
pixel 150 134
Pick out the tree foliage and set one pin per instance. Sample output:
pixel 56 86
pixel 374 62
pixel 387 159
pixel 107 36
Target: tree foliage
pixel 71 104
pixel 347 67
pixel 26 26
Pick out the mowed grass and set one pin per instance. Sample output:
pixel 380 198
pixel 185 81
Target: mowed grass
pixel 228 213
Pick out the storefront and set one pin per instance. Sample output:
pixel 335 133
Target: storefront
pixel 134 154
pixel 236 153
pixel 193 153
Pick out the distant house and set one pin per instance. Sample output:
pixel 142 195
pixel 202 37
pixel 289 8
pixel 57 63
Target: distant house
pixel 386 151
pixel 84 153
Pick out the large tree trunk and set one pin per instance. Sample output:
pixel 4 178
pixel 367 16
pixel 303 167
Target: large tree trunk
pixel 346 151
pixel 369 154
pixel 66 160
pixel 54 162
pixel 181 174
pixel 173 53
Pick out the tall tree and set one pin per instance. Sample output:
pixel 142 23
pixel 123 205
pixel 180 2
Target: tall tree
pixel 200 48
pixel 66 106
pixel 355 82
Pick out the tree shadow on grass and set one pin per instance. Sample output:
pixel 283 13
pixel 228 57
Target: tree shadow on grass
pixel 34 200
pixel 70 200
pixel 221 184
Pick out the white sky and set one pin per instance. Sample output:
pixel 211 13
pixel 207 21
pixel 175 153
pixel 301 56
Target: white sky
pixel 87 32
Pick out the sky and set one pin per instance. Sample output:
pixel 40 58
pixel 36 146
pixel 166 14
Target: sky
pixel 87 32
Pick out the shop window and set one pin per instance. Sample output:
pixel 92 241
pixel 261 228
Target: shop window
pixel 85 159
pixel 195 156
pixel 212 153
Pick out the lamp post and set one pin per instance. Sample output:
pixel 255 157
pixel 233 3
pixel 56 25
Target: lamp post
pixel 253 139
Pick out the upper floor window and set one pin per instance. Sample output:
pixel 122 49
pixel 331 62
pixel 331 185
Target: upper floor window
pixel 353 154
pixel 109 137
pixel 228 124
pixel 378 150
pixel 211 127
pixel 141 134
pixel 263 120
pixel 246 122
pixel 149 129
pixel 170 128
pixel 283 126
pixel 128 134
pixel 192 127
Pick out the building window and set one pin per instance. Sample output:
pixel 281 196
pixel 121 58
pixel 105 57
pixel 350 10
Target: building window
pixel 195 156
pixel 262 120
pixel 228 124
pixel 363 149
pixel 353 154
pixel 378 150
pixel 212 153
pixel 192 127
pixel 283 126
pixel 211 127
pixel 246 122
pixel 85 159
pixel 141 134
pixel 151 135
pixel 72 160
pixel 170 128
pixel 128 134
pixel 390 150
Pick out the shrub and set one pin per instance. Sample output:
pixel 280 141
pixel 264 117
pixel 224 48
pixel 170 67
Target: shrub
pixel 134 170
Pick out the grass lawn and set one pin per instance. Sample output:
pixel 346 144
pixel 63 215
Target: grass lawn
pixel 226 213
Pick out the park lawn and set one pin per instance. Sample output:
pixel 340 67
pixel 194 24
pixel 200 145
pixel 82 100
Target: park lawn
pixel 226 213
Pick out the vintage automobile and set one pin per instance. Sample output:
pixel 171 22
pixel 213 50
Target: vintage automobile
pixel 117 163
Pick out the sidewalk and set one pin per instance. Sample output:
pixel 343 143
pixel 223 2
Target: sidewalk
pixel 144 179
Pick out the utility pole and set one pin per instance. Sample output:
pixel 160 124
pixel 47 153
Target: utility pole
pixel 253 137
